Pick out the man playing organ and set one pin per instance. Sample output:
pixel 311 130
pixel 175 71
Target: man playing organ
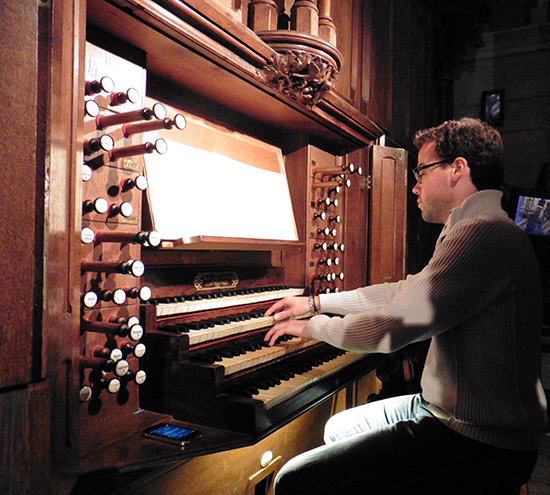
pixel 475 427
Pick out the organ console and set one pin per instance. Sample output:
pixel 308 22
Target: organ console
pixel 199 313
pixel 108 93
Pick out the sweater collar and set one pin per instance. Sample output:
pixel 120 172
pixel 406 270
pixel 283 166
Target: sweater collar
pixel 486 203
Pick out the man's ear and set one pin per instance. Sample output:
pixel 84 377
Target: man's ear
pixel 460 168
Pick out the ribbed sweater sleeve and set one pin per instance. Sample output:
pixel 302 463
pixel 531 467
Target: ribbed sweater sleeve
pixel 463 276
pixel 359 300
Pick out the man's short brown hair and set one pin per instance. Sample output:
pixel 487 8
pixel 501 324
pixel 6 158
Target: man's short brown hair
pixel 477 142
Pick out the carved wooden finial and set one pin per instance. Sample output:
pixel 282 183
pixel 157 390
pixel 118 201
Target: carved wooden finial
pixel 304 17
pixel 262 15
pixel 327 28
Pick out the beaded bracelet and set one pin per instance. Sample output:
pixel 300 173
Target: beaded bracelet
pixel 312 306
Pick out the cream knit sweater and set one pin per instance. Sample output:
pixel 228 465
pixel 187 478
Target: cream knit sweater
pixel 479 301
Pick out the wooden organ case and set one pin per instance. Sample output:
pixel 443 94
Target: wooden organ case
pixel 170 329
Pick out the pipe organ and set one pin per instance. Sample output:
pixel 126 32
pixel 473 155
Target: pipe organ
pixel 170 329
pixel 208 170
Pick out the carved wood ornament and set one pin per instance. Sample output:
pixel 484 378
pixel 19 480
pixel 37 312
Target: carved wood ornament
pixel 304 66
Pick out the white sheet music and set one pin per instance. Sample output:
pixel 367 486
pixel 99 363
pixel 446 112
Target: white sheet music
pixel 193 192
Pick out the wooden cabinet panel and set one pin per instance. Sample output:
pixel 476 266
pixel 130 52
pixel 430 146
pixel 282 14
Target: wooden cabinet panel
pixel 18 175
pixel 24 448
pixel 357 223
pixel 388 215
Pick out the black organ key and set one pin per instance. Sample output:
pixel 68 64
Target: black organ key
pixel 252 346
pixel 174 328
pixel 227 353
pixel 265 383
pixel 284 374
pixel 198 325
pixel 204 358
pixel 243 391
pixel 222 320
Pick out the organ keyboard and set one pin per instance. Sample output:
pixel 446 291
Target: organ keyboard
pixel 223 300
pixel 280 392
pixel 206 330
pixel 211 365
pixel 250 356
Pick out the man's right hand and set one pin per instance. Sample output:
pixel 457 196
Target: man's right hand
pixel 287 307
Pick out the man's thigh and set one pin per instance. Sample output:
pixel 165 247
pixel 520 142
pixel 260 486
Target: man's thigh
pixel 396 458
pixel 373 416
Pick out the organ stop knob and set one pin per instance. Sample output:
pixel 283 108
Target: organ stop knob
pixel 143 293
pixel 158 111
pixel 119 368
pixel 104 142
pixel 121 97
pixel 129 267
pixel 179 122
pixel 150 238
pixel 94 87
pixel 124 209
pixel 127 348
pixel 98 205
pixel 160 146
pixel 137 377
pixel 107 353
pixel 139 182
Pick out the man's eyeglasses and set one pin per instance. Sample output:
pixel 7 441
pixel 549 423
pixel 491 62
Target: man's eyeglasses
pixel 417 170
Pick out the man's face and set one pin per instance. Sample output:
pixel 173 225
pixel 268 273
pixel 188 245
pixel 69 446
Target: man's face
pixel 433 190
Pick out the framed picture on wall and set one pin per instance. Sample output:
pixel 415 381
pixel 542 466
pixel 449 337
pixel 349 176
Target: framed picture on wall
pixel 492 107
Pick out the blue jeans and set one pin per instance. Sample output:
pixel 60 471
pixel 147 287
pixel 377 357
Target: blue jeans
pixel 396 446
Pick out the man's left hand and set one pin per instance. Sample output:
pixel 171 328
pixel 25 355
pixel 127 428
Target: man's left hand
pixel 298 328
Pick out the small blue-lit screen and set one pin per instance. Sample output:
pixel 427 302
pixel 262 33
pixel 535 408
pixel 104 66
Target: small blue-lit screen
pixel 171 431
pixel 533 215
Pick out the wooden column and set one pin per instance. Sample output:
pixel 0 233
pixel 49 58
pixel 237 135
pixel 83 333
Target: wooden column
pixel 262 15
pixel 304 17
pixel 327 28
